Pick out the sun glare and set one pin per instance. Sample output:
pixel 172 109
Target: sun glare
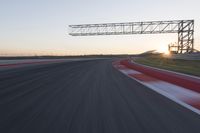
pixel 163 49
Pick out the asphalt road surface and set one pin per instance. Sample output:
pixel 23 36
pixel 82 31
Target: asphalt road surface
pixel 86 97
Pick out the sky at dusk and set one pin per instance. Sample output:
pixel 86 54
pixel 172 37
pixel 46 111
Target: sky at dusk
pixel 40 27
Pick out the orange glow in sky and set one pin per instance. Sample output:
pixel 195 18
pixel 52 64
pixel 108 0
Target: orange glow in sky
pixel 27 31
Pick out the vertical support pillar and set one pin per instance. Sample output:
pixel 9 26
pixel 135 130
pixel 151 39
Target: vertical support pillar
pixel 180 37
pixel 186 36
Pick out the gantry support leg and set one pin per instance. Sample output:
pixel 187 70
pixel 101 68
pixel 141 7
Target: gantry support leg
pixel 186 37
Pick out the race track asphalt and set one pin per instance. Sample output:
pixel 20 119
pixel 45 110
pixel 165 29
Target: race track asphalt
pixel 86 97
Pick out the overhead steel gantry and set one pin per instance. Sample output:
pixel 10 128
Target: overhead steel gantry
pixel 184 28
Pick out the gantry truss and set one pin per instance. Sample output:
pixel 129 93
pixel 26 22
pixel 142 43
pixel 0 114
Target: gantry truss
pixel 184 28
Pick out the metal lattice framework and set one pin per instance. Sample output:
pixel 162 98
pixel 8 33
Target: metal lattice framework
pixel 184 28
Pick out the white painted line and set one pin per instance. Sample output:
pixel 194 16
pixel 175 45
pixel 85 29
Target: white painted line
pixel 171 97
pixel 129 71
pixel 175 93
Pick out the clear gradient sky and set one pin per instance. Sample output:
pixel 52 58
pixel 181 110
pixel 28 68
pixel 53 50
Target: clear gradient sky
pixel 39 27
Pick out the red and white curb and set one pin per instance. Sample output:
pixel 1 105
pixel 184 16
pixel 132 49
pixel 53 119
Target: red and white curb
pixel 183 96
